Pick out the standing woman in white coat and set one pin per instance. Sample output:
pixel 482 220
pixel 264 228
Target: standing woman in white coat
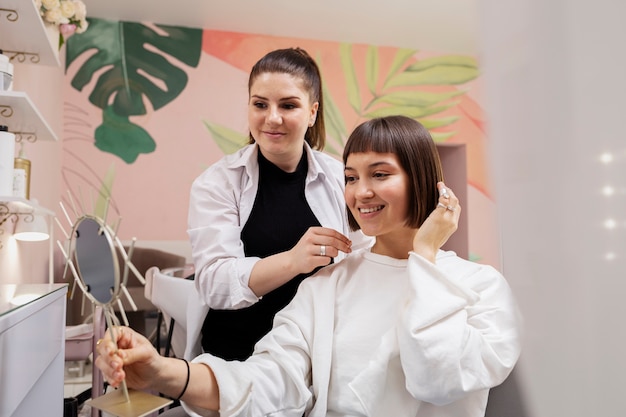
pixel 402 329
pixel 264 218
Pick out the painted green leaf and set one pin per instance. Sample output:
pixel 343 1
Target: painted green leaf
pixel 352 84
pixel 474 257
pixel 409 111
pixel 439 122
pixel 415 98
pixel 371 68
pixel 439 137
pixel 133 64
pixel 335 126
pixel 133 61
pixel 444 70
pixel 402 56
pixel 227 139
pixel 442 75
pixel 105 193
pixel 121 137
pixel 444 60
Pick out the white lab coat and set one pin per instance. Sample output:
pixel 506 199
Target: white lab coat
pixel 221 201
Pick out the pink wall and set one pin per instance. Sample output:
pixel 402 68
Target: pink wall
pixel 151 194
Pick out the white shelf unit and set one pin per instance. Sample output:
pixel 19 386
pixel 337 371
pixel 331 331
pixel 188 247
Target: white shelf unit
pixel 23 35
pixel 20 206
pixel 19 113
pixel 24 38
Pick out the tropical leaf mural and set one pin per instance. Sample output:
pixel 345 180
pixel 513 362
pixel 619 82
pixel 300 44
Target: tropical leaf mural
pixel 227 139
pixel 406 89
pixel 423 89
pixel 133 64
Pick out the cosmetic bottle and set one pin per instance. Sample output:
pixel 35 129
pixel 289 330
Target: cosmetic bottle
pixel 7 153
pixel 21 175
pixel 6 73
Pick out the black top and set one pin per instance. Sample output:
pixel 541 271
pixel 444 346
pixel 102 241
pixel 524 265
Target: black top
pixel 279 218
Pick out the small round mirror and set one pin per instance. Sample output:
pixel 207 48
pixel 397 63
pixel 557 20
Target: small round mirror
pixel 96 260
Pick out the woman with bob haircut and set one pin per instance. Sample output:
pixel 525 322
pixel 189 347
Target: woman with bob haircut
pixel 402 329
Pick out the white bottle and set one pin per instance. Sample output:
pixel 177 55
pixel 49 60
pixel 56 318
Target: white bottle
pixel 6 73
pixel 7 153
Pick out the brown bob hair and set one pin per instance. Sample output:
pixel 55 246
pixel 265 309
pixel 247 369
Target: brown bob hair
pixel 297 63
pixel 411 142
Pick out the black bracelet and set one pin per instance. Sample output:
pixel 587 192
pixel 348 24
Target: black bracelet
pixel 186 382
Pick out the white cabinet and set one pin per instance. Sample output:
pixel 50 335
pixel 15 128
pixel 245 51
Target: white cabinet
pixel 32 349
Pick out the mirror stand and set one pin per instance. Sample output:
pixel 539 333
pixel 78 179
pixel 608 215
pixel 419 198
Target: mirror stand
pixel 91 254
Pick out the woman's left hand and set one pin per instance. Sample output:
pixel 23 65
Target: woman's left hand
pixel 439 225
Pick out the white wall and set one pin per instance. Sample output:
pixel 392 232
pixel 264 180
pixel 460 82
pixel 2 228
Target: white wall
pixel 555 74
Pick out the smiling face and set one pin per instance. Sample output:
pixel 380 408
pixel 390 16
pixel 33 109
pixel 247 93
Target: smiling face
pixel 279 113
pixel 378 198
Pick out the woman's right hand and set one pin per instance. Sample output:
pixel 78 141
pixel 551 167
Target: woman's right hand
pixel 130 356
pixel 316 248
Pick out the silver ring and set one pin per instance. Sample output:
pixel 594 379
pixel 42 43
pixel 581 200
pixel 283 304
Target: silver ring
pixel 323 250
pixel 450 208
pixel 444 193
pixel 441 205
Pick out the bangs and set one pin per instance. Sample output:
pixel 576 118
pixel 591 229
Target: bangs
pixel 377 136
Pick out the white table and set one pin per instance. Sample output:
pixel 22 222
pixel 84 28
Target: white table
pixel 32 349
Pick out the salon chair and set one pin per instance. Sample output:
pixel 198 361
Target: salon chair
pixel 169 290
pixel 143 259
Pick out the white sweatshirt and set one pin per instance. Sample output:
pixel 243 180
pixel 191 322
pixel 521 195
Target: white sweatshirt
pixel 377 336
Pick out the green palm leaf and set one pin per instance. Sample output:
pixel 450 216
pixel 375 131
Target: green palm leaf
pixel 227 139
pixel 446 70
pixel 414 98
pixel 439 137
pixel 371 68
pixel 402 56
pixel 409 111
pixel 438 122
pixel 352 85
pixel 335 126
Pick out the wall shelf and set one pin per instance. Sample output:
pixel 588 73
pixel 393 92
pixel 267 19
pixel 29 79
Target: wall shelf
pixel 16 207
pixel 24 37
pixel 20 209
pixel 19 113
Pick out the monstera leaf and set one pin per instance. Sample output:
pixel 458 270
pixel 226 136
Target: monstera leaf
pixel 132 65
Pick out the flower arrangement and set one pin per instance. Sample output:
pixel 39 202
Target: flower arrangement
pixel 69 15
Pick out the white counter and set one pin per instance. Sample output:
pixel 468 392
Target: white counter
pixel 32 349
